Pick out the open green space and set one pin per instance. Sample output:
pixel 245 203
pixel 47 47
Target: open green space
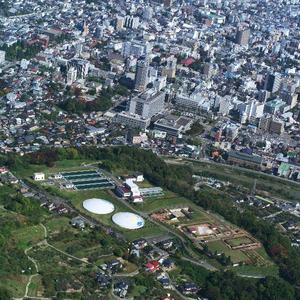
pixel 57 224
pixel 77 197
pixel 28 236
pixel 171 200
pixel 243 240
pixel 66 165
pixel 144 184
pixel 16 284
pixel 254 271
pixel 219 246
pixel 36 288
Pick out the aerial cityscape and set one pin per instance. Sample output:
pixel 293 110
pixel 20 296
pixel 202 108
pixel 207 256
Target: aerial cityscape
pixel 150 149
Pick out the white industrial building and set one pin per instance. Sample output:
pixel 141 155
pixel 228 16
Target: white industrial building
pixel 39 176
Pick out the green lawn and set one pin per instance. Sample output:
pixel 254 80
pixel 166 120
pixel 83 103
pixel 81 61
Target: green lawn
pixel 239 241
pixel 235 255
pixel 166 201
pixel 144 184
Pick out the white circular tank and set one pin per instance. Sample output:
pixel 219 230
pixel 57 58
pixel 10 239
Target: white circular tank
pixel 128 220
pixel 98 206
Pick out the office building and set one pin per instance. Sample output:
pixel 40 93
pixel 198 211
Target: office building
pixel 272 83
pixel 208 69
pixel 120 21
pixel 147 104
pixel 271 125
pixel 276 126
pixel 136 48
pixel 132 120
pixel 85 29
pixel 148 13
pixel 242 37
pixel 99 32
pixel 131 22
pixel 274 106
pixel 290 99
pixel 141 75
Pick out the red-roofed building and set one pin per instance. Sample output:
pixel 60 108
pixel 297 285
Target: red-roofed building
pixel 152 265
pixel 187 61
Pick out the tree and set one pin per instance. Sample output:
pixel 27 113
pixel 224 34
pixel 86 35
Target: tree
pixel 5 294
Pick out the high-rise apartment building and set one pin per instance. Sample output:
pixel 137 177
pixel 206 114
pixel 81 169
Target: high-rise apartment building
pixel 272 83
pixel 71 75
pixel 141 74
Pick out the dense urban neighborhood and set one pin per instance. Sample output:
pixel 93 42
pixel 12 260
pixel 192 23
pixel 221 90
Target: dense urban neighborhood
pixel 150 149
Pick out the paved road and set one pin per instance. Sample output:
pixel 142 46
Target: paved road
pixel 201 263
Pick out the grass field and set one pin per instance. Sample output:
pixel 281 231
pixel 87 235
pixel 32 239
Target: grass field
pixel 28 236
pixel 168 200
pixel 171 200
pixel 66 165
pixel 271 270
pixel 236 256
pixel 243 240
pixel 56 224
pixel 15 284
pixel 36 288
